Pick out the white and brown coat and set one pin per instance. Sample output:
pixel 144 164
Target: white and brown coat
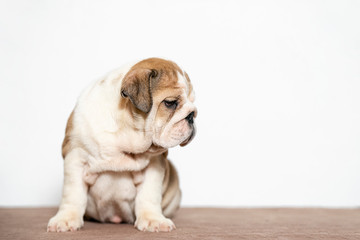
pixel 115 148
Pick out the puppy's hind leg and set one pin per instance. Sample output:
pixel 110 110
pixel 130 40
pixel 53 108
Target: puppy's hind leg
pixel 171 191
pixel 74 197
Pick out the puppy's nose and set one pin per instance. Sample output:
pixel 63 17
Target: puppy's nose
pixel 190 118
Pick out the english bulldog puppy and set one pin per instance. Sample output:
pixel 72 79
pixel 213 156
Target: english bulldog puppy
pixel 116 146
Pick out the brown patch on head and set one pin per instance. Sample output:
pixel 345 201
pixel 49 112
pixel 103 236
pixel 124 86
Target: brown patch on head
pixel 137 86
pixel 146 77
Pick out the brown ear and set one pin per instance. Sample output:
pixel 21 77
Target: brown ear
pixel 136 86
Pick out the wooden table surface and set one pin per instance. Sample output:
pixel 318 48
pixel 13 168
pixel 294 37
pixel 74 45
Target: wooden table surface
pixel 199 223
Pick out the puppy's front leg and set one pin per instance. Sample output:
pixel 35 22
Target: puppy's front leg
pixel 149 216
pixel 74 198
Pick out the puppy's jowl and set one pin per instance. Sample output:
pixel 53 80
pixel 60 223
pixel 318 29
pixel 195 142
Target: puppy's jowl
pixel 115 149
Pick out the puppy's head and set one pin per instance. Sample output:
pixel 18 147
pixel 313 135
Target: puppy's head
pixel 161 94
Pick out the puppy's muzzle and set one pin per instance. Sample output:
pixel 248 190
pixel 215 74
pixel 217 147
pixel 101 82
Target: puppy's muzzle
pixel 191 137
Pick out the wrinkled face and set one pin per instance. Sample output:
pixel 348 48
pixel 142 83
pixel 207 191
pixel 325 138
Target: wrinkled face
pixel 174 119
pixel 162 93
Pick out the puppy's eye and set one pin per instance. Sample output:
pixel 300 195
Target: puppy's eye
pixel 170 104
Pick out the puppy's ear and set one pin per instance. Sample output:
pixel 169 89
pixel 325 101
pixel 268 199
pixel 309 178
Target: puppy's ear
pixel 137 86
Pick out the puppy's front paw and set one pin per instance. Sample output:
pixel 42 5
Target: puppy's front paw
pixel 154 223
pixel 65 221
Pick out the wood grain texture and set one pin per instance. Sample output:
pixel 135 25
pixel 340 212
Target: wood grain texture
pixel 199 223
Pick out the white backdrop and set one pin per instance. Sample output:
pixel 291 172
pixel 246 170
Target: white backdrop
pixel 277 86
